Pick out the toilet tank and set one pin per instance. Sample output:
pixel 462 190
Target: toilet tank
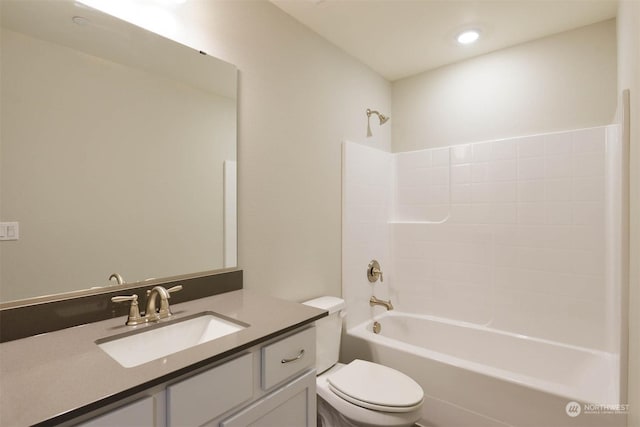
pixel 328 331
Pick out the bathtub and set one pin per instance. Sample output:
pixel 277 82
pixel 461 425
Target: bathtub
pixel 476 376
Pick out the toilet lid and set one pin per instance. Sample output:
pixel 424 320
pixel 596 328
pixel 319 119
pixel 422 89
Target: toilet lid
pixel 376 387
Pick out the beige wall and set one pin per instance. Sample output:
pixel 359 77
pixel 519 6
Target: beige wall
pixel 299 97
pixel 561 82
pixel 629 78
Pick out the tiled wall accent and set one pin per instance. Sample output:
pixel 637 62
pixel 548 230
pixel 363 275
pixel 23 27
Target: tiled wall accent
pixel 443 270
pixel 367 182
pixel 523 245
pixel 422 185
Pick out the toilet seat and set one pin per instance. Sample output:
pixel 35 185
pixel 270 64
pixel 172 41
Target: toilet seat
pixel 376 387
pixel 352 414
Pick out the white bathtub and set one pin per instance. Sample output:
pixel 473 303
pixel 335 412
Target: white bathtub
pixel 474 374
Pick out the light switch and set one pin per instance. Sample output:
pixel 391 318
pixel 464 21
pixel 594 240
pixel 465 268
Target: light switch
pixel 9 231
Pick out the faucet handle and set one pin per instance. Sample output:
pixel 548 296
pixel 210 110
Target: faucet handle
pixel 122 298
pixel 374 272
pixel 175 288
pixel 134 312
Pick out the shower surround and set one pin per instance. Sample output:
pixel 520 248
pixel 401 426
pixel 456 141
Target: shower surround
pixel 519 236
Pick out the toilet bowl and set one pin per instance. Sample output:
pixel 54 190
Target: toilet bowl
pixel 361 393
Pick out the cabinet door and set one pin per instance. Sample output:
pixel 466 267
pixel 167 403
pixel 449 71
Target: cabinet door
pixel 200 398
pixel 139 413
pixel 293 404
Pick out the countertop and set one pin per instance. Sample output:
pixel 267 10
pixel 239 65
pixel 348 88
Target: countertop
pixel 59 375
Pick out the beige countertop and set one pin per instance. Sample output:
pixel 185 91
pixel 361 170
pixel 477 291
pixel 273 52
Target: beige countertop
pixel 64 373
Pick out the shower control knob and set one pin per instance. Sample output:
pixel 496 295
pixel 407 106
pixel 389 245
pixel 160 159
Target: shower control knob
pixel 373 272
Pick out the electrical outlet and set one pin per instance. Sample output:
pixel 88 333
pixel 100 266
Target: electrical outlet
pixel 9 231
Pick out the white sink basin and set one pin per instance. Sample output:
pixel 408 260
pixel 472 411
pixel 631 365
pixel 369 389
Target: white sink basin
pixel 133 349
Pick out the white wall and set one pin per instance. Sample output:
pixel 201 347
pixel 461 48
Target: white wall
pixel 299 98
pixel 629 78
pixel 565 81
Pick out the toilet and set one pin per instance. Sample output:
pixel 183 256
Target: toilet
pixel 360 393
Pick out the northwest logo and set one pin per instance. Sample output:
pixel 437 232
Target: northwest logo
pixel 573 409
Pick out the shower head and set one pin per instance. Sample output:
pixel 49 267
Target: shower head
pixel 383 119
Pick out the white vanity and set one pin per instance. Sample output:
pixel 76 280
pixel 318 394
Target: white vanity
pixel 272 384
pixel 261 375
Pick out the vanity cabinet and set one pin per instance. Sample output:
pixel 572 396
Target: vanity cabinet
pixel 271 384
pixel 284 402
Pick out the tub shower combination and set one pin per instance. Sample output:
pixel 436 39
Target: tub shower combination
pixel 501 259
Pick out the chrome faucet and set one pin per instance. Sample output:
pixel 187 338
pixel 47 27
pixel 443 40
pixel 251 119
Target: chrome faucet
pixel 375 301
pixel 152 313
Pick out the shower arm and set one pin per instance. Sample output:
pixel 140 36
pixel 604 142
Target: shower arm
pixel 381 117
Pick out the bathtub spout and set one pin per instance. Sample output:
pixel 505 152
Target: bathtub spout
pixel 386 304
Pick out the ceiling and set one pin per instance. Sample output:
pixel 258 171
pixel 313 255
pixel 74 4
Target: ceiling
pixel 400 38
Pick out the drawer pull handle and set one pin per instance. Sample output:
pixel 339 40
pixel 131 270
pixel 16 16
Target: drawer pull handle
pixel 293 359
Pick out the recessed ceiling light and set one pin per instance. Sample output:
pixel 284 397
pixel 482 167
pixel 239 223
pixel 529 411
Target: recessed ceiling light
pixel 468 36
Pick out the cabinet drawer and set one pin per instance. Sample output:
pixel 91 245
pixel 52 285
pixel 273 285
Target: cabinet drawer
pixel 198 399
pixel 287 357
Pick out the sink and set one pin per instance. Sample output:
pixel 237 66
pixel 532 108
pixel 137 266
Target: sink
pixel 138 347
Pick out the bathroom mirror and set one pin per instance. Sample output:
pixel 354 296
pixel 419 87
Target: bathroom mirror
pixel 117 155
